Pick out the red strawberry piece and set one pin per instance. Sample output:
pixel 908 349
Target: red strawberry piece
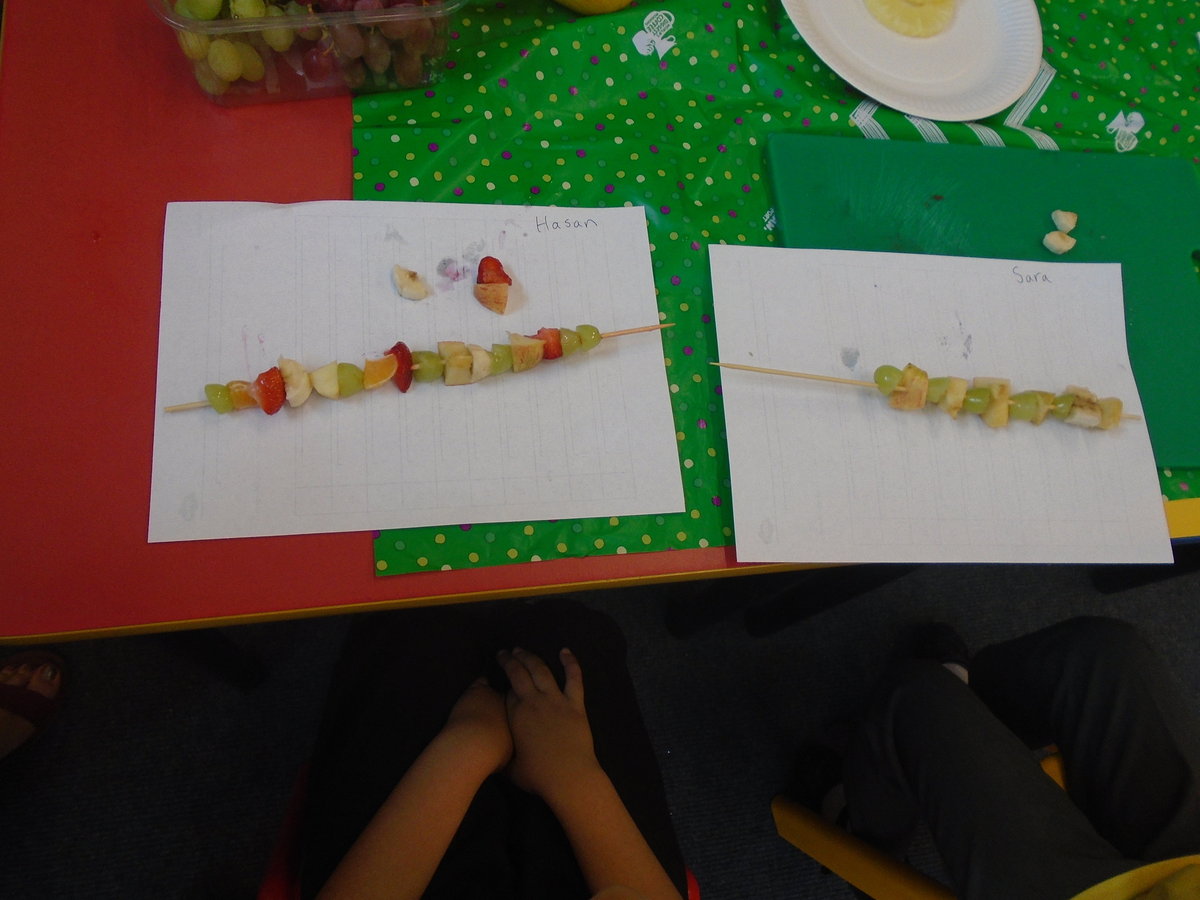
pixel 552 338
pixel 491 271
pixel 269 390
pixel 404 370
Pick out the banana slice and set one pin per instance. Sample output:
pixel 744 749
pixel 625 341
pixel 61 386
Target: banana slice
pixel 914 18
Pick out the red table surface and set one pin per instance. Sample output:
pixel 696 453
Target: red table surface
pixel 99 130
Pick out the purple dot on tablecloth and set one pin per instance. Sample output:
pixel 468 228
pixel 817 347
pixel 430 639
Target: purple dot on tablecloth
pixel 599 126
pixel 654 148
pixel 675 280
pixel 449 64
pixel 375 534
pixel 1103 64
pixel 379 185
pixel 1074 95
pixel 709 97
pixel 433 148
pixel 465 527
pixel 1058 124
pixel 762 45
pixel 716 501
pixel 524 52
pixel 778 93
pixel 665 210
pixel 608 189
pixel 721 148
pixel 458 192
pixel 733 214
pixel 506 154
pixel 573 91
pixel 687 351
pixel 354 151
pixel 535 190
pixel 733 67
pixel 431 93
pixel 717 390
pixel 745 188
pixel 581 153
pixel 701 424
pixel 595 60
pixel 662 64
pixel 709 27
pixel 527 127
pixel 1083 15
pixel 695 245
pixel 706 318
pixel 1175 127
pixel 738 120
pixel 1183 486
pixel 806 122
pixel 503 82
pixel 670 127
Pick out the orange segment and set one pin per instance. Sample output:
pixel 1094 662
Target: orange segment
pixel 239 393
pixel 379 371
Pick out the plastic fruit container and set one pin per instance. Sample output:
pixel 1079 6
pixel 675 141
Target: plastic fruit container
pixel 251 51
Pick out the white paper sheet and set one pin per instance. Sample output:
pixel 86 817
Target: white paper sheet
pixel 831 473
pixel 245 283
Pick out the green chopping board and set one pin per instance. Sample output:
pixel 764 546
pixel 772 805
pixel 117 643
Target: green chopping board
pixel 837 193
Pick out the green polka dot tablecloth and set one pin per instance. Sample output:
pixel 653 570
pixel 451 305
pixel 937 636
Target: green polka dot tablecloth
pixel 667 105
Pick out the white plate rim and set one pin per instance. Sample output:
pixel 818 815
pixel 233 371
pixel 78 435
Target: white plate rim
pixel 1018 46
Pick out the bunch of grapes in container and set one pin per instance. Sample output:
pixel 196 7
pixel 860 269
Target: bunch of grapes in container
pixel 250 51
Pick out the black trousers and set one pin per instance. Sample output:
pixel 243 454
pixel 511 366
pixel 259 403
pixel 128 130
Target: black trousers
pixel 959 757
pixel 399 675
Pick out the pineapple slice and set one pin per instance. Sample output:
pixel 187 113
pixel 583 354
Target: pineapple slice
pixel 914 18
pixel 996 414
pixel 952 401
pixel 912 390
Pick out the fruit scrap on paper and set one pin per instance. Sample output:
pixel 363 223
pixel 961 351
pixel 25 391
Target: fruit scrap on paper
pixel 491 285
pixel 409 284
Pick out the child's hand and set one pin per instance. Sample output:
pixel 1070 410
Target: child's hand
pixel 479 722
pixel 552 742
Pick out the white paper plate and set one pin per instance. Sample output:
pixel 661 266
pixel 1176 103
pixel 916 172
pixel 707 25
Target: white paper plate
pixel 978 66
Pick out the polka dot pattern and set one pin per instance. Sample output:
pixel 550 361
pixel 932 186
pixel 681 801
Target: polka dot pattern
pixel 533 105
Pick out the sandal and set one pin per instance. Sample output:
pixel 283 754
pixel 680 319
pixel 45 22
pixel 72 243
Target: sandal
pixel 24 703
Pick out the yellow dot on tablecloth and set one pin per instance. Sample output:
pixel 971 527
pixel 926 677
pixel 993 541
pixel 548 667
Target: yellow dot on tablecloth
pixel 703 542
pixel 588 178
pixel 684 307
pixel 546 177
pixel 535 558
pixel 560 547
pixel 470 179
pixel 410 156
pixel 422 561
pixel 614 521
pixel 439 538
pixel 560 161
pixel 358 176
pixel 381 565
pixel 512 178
pixel 695 513
pixel 553 98
pixel 687 463
pixel 473 556
pixel 528 529
pixel 437 176
pixel 681 535
pixel 491 185
pixel 727 531
pixel 674 389
pixel 646 539
pixel 598 543
pixel 712 451
pixel 414 181
pixel 679 436
pixel 446 567
pixel 512 553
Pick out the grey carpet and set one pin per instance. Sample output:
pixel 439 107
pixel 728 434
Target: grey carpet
pixel 162 780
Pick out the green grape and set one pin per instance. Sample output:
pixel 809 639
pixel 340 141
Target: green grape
pixel 278 39
pixel 571 341
pixel 977 400
pixel 1060 407
pixel 886 379
pixel 202 9
pixel 501 358
pixel 246 9
pixel 253 68
pixel 427 365
pixel 208 80
pixel 937 390
pixel 589 336
pixel 1024 405
pixel 224 59
pixel 218 397
pixel 350 379
pixel 193 45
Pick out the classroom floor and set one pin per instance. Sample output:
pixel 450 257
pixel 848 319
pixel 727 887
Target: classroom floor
pixel 167 776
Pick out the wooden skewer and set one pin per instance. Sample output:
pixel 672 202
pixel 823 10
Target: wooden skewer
pixel 202 404
pixel 809 375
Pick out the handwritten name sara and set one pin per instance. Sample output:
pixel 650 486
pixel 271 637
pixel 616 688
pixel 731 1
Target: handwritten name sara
pixel 1030 277
pixel 544 224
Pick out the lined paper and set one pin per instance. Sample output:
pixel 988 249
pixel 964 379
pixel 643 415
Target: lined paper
pixel 831 473
pixel 245 283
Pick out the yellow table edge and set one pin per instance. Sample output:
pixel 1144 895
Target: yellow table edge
pixel 1183 517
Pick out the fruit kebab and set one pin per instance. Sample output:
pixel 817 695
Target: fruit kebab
pixel 991 399
pixel 454 362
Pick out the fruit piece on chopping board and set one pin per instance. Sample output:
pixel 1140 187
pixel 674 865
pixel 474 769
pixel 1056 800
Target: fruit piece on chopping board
pixel 552 340
pixel 954 395
pixel 379 371
pixel 296 381
pixel 910 392
pixel 427 365
pixel 349 379
pixel 491 285
pixel 409 284
pixel 502 358
pixel 325 380
pixel 481 362
pixel 589 336
pixel 996 414
pixel 269 390
pixel 403 378
pixel 218 397
pixel 526 351
pixel 240 395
